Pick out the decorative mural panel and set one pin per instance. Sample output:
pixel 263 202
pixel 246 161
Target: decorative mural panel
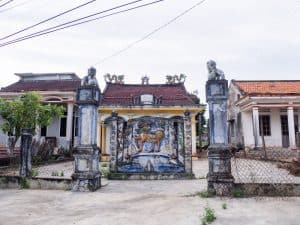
pixel 150 144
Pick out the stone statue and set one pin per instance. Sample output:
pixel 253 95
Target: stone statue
pixel 175 79
pixel 90 79
pixel 213 72
pixel 117 79
pixel 145 80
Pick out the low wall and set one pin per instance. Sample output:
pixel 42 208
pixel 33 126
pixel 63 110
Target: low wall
pixel 35 183
pixel 150 176
pixel 267 189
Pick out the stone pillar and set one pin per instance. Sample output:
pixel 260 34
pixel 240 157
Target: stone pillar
pixel 194 136
pixel 69 124
pixel 87 176
pixel 113 145
pixel 291 124
pixel 255 122
pixel 25 157
pixel 220 180
pixel 187 142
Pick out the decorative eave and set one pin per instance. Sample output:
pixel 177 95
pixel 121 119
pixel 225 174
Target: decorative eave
pixel 65 96
pixel 249 102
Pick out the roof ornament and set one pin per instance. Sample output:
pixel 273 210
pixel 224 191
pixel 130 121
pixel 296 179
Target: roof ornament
pixel 145 80
pixel 175 79
pixel 213 72
pixel 90 79
pixel 117 79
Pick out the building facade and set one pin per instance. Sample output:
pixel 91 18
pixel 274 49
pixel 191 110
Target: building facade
pixel 54 88
pixel 264 111
pixel 150 117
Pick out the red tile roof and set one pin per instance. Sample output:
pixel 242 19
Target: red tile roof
pixel 123 94
pixel 43 85
pixel 268 87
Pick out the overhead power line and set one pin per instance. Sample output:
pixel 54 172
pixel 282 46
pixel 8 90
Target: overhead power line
pixel 15 6
pixel 149 34
pixel 4 4
pixel 46 20
pixel 62 27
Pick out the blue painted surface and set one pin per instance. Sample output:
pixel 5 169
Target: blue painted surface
pixel 151 162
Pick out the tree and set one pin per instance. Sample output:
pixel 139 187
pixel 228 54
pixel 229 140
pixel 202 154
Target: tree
pixel 26 111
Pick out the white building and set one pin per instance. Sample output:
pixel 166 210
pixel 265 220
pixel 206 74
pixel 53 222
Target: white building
pixel 267 107
pixel 54 88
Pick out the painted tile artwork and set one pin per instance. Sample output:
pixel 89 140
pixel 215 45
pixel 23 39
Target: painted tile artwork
pixel 150 144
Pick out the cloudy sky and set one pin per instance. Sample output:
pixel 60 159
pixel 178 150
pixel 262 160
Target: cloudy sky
pixel 249 39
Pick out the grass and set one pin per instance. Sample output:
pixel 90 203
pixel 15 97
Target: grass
pixel 24 184
pixel 224 206
pixel 208 216
pixel 33 173
pixel 238 193
pixel 201 194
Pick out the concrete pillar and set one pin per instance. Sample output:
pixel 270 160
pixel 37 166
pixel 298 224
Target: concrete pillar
pixel 219 177
pixel 187 142
pixel 86 176
pixel 255 122
pixel 99 133
pixel 291 124
pixel 194 145
pixel 25 157
pixel 113 145
pixel 69 124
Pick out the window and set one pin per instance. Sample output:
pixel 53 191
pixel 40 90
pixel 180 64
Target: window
pixel 43 131
pixel 264 125
pixel 147 99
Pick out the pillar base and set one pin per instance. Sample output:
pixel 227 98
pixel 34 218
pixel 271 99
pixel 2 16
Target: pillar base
pixel 86 182
pixel 219 178
pixel 87 176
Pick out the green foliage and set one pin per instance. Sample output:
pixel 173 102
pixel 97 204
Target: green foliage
pixel 26 111
pixel 104 169
pixel 54 174
pixel 201 194
pixel 224 206
pixel 208 216
pixel 24 184
pixel 206 194
pixel 238 193
pixel 62 173
pixel 33 173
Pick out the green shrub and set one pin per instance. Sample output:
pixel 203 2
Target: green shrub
pixel 238 193
pixel 33 173
pixel 206 194
pixel 24 184
pixel 208 216
pixel 62 173
pixel 224 206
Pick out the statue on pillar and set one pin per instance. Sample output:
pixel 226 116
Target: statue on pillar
pixel 90 79
pixel 213 72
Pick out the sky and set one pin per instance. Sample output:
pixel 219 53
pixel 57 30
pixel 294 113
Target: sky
pixel 249 39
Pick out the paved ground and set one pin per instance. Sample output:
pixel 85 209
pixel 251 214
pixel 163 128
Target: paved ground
pixel 141 203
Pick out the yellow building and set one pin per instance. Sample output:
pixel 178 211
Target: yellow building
pixel 149 119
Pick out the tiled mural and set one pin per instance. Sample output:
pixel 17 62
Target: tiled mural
pixel 150 144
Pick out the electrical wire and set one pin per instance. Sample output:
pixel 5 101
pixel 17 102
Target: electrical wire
pixel 149 34
pixel 4 4
pixel 63 24
pixel 51 30
pixel 15 6
pixel 46 20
